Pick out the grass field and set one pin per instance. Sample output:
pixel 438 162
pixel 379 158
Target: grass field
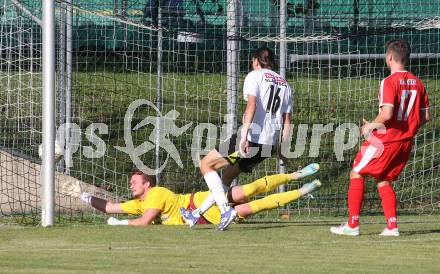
pixel 298 246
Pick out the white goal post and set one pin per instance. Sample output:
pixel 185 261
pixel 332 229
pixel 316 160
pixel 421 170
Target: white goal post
pixel 48 164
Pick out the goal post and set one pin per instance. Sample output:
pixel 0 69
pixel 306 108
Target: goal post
pixel 48 119
pixel 283 61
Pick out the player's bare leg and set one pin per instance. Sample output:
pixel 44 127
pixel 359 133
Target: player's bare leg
pixel 209 166
pixel 355 199
pixel 230 173
pixel 212 161
pixel 389 204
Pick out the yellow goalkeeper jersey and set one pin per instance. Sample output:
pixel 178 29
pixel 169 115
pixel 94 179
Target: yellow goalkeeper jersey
pixel 169 203
pixel 163 199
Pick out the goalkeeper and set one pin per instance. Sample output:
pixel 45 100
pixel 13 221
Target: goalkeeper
pixel 160 205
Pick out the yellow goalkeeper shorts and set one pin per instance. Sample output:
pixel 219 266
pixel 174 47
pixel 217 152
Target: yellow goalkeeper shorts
pixel 213 214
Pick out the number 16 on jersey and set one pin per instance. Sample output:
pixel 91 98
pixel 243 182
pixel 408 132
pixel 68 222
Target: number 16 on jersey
pixel 274 100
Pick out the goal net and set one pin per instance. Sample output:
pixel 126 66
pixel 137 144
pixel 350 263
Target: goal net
pixel 138 76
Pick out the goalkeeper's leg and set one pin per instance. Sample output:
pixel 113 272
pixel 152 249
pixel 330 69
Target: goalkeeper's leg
pixel 275 200
pixel 239 194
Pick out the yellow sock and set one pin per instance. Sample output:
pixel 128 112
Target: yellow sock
pixel 274 201
pixel 265 184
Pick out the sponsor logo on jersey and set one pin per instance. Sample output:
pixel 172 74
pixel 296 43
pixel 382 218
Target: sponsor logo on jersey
pixel 409 82
pixel 268 77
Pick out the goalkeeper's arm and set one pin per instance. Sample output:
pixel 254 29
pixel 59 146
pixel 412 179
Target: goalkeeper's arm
pixel 147 218
pixel 73 189
pixel 108 207
pixel 101 204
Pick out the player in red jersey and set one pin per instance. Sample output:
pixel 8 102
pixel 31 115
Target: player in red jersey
pixel 404 105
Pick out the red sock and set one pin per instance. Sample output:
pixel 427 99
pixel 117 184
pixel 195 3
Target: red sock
pixel 355 199
pixel 389 204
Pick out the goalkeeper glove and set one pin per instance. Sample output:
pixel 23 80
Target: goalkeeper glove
pixel 86 197
pixel 114 221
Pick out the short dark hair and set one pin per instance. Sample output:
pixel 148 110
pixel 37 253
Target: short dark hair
pixel 146 177
pixel 400 49
pixel 265 57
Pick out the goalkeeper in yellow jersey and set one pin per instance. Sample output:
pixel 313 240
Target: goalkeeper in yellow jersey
pixel 157 204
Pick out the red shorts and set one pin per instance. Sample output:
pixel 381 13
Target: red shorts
pixel 382 163
pixel 192 206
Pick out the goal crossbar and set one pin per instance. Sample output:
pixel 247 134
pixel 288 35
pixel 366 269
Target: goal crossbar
pixel 331 57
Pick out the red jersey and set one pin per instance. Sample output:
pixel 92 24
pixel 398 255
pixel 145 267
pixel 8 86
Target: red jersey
pixel 406 93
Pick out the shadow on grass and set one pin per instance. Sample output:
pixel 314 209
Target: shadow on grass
pixel 406 233
pixel 255 225
pixel 420 232
pixel 294 223
pixel 247 226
